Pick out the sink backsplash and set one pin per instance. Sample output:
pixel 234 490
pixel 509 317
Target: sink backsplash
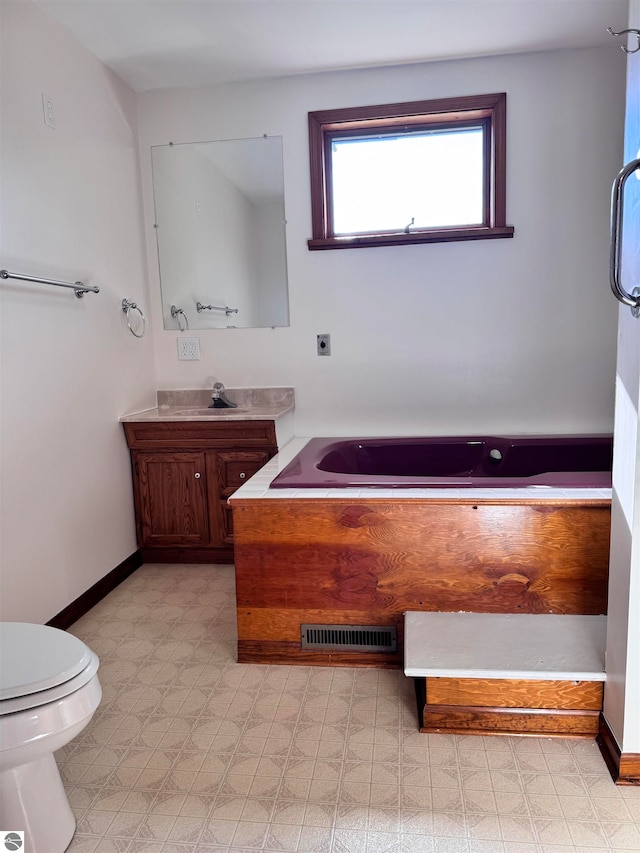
pixel 244 397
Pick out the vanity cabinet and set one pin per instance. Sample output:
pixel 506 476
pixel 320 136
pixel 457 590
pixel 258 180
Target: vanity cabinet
pixel 183 474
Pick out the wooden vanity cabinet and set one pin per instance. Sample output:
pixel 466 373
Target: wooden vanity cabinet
pixel 183 473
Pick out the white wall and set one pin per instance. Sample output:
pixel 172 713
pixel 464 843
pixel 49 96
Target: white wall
pixel 505 335
pixel 622 688
pixel 70 210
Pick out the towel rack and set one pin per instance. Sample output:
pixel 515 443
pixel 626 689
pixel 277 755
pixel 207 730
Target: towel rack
pixel 78 287
pixel 177 313
pixel 127 308
pixel 200 307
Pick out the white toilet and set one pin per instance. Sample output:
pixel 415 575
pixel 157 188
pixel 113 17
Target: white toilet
pixel 49 690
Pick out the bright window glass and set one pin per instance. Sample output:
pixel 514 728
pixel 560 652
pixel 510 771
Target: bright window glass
pixel 403 183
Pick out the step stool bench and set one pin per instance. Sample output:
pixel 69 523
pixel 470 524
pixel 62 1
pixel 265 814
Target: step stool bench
pixel 511 674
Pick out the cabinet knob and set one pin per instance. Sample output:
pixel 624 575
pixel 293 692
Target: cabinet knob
pixel 242 475
pixel 197 476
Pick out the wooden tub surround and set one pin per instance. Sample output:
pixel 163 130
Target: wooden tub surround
pixel 365 557
pixel 367 562
pixel 480 673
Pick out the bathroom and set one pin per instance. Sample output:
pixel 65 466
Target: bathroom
pixel 461 338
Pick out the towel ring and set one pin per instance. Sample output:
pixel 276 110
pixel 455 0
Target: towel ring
pixel 177 313
pixel 127 308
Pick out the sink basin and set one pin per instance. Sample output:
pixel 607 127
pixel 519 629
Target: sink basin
pixel 207 413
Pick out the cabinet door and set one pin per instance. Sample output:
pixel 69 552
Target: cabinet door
pixel 234 469
pixel 171 498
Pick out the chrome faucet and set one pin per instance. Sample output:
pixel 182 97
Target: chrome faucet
pixel 219 399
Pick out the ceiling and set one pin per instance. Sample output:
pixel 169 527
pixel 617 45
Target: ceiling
pixel 156 44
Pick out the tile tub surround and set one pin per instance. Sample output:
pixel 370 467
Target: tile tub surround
pixel 190 752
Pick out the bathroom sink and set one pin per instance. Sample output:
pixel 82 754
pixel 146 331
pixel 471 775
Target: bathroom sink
pixel 207 413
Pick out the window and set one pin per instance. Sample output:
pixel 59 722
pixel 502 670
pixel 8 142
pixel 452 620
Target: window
pixel 421 172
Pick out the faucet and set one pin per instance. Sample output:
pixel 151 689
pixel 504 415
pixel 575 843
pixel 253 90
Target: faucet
pixel 219 399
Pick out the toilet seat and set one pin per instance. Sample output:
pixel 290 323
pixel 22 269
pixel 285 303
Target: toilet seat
pixel 40 664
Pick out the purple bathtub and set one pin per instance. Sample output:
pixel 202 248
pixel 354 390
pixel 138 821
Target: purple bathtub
pixel 484 462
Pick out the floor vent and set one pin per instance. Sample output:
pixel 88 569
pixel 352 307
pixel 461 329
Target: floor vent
pixel 350 638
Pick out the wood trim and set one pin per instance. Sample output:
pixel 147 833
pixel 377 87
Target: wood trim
pixel 515 693
pixel 509 721
pixel 195 554
pixel 274 652
pixel 624 767
pixel 445 235
pixel 448 107
pixel 200 435
pixel 72 612
pixel 325 125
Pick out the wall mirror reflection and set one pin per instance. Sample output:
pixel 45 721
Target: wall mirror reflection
pixel 220 229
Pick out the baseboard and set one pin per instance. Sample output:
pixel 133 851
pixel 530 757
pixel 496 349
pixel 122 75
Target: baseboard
pixel 624 767
pixel 96 593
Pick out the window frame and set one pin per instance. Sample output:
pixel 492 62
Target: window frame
pixel 443 113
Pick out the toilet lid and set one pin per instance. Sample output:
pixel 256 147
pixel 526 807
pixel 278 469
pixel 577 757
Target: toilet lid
pixel 36 657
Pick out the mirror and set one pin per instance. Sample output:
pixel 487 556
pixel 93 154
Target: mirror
pixel 220 230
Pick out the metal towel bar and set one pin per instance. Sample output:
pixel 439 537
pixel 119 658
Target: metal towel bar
pixel 78 287
pixel 200 307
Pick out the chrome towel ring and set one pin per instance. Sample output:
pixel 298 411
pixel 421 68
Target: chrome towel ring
pixel 127 308
pixel 178 313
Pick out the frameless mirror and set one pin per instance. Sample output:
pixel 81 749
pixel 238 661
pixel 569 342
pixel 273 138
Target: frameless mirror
pixel 220 229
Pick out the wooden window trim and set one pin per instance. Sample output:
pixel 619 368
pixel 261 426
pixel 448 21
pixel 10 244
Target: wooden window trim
pixel 489 110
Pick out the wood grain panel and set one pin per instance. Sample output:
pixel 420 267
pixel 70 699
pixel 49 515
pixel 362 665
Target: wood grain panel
pixel 513 693
pixel 236 467
pixel 397 556
pixel 284 623
pixel 522 721
pixel 171 490
pixel 203 434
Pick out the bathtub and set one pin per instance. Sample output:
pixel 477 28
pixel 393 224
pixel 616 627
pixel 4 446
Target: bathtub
pixel 315 555
pixel 577 461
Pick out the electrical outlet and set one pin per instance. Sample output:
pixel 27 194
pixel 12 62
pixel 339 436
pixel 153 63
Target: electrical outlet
pixel 188 349
pixel 47 109
pixel 323 344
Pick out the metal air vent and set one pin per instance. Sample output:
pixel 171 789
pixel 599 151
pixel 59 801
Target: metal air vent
pixel 350 638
